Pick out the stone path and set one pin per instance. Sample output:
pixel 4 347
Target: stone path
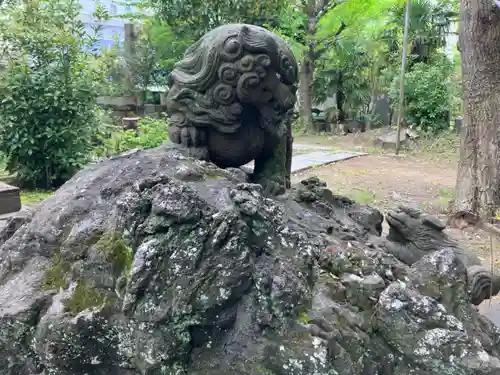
pixel 323 156
pixel 300 146
pixel 318 158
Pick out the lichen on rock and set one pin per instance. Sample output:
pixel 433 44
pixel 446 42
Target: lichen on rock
pixel 137 266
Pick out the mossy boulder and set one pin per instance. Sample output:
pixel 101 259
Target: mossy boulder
pixel 157 264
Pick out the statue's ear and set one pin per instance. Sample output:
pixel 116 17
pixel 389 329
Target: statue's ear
pixel 433 222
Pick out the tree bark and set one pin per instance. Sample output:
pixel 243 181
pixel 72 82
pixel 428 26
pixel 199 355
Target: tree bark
pixel 306 83
pixel 340 98
pixel 478 179
pixel 307 68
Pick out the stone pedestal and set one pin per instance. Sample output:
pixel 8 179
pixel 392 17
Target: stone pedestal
pixel 10 199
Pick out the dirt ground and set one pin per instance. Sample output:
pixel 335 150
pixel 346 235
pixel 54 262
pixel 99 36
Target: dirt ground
pixel 422 175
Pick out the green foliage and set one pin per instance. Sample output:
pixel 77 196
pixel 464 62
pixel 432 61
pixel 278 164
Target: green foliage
pixel 150 133
pixel 147 60
pixel 49 88
pixel 430 22
pixel 169 46
pixel 427 95
pixel 137 64
pixel 199 16
pixel 344 68
pixel 290 25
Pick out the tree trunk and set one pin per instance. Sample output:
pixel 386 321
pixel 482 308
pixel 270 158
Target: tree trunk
pixel 374 80
pixel 478 179
pixel 340 98
pixel 307 69
pixel 306 83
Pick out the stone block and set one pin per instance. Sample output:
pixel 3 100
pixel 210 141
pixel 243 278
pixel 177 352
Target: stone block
pixel 388 141
pixel 130 123
pixel 10 199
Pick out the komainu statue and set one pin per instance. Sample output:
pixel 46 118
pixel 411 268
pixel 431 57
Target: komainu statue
pixel 230 99
pixel 413 234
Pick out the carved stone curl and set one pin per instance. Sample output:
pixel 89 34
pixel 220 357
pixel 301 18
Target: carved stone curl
pixel 229 100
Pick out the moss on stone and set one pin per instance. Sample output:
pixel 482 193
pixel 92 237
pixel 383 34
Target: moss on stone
pixel 57 276
pixel 116 251
pixel 262 370
pixel 84 297
pixel 304 318
pixel 214 175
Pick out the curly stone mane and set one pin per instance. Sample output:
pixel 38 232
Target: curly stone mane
pixel 236 76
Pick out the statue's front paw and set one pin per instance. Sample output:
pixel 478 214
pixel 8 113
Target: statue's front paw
pixel 482 284
pixel 188 136
pixel 272 186
pixel 192 137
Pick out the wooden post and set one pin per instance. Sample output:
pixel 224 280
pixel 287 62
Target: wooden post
pixel 402 78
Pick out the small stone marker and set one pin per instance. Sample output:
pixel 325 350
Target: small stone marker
pixel 10 199
pixel 130 123
pixel 388 141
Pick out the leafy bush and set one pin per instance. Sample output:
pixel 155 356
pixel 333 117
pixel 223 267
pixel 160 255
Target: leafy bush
pixel 428 98
pixel 48 91
pixel 150 133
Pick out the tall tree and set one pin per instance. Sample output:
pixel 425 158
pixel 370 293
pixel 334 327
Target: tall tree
pixel 315 11
pixel 430 22
pixel 324 22
pixel 478 180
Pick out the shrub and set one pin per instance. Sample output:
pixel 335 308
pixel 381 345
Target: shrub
pixel 48 111
pixel 150 133
pixel 428 98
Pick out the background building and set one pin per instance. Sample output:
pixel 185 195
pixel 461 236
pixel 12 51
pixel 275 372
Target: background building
pixel 111 29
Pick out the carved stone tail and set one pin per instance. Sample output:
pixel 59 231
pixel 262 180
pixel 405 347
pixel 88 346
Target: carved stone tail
pixel 481 284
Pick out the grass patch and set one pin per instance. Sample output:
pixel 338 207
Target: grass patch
pixel 444 147
pixel 446 195
pixel 34 197
pixel 356 172
pixel 361 195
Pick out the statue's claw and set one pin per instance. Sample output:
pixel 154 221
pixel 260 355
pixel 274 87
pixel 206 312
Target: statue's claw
pixel 192 137
pixel 272 186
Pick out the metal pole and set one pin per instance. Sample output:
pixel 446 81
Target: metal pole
pixel 401 80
